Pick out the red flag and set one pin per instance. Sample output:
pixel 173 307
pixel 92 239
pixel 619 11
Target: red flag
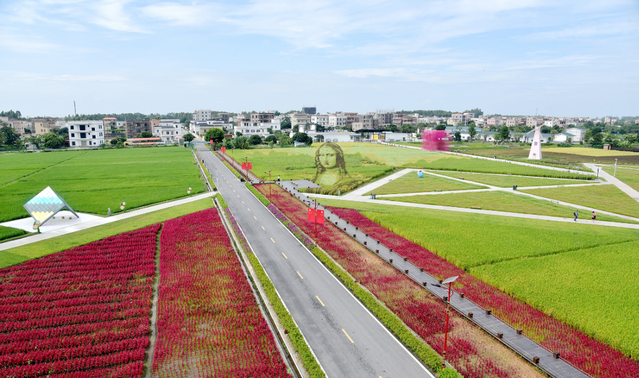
pixel 243 166
pixel 223 150
pixel 320 216
pixel 250 165
pixel 311 215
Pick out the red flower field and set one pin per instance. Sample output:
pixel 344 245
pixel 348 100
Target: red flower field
pixel 209 324
pixel 83 312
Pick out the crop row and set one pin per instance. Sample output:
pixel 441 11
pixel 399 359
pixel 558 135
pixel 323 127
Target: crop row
pixel 57 320
pixel 574 346
pixel 472 353
pixel 208 320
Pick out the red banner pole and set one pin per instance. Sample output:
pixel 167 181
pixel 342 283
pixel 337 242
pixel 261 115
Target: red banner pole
pixel 315 220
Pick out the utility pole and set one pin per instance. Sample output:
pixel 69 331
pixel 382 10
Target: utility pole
pixel 615 175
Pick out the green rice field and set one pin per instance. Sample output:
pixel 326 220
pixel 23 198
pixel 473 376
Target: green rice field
pixel 503 201
pixel 602 197
pixel 582 274
pixel 411 183
pixel 8 232
pixel 93 181
pixel 507 181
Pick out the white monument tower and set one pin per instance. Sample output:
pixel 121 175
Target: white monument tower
pixel 535 148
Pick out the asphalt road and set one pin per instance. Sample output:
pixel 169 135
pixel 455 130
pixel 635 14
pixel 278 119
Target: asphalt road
pixel 346 338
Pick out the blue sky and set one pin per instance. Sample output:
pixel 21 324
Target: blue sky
pixel 564 58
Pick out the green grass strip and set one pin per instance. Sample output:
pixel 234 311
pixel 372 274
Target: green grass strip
pixel 208 175
pixel 257 194
pixel 308 359
pixel 10 232
pixel 236 173
pixel 388 318
pixel 46 247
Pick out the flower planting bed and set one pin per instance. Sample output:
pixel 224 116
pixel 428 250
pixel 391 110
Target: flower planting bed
pixel 472 352
pixel 209 323
pixel 589 355
pixel 83 312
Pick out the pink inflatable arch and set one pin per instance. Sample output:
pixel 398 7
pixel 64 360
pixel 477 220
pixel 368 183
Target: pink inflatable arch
pixel 435 140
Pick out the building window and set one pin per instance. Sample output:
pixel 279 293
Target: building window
pixel 72 127
pixel 72 135
pixel 73 143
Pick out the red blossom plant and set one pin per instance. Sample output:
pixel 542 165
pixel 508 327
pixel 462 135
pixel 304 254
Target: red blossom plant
pixel 579 349
pixel 83 312
pixel 209 324
pixel 473 353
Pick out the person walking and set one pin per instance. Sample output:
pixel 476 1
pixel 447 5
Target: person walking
pixel 576 214
pixel 594 215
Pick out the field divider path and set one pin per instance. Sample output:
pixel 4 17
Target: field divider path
pixel 376 352
pixel 615 181
pixel 522 345
pixel 98 222
pixel 499 160
pixel 154 309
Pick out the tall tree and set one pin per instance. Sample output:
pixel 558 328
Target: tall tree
pixel 471 131
pixel 216 135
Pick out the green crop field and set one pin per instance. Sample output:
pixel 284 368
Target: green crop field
pixel 593 289
pixel 93 181
pixel 503 201
pixel 629 176
pixel 602 197
pixel 46 247
pixel 8 232
pixel 507 181
pixel 411 183
pixel 470 240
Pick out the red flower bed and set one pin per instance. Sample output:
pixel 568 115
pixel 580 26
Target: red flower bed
pixel 473 353
pixel 591 356
pixel 83 312
pixel 209 323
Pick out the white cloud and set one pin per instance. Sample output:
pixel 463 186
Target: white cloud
pixel 180 14
pixel 112 15
pixel 25 44
pixel 65 77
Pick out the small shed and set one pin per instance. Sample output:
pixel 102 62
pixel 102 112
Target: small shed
pixel 45 205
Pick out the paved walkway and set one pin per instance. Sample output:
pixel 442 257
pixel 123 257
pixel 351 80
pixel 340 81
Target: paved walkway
pixel 500 160
pixel 519 343
pixel 98 222
pixel 615 181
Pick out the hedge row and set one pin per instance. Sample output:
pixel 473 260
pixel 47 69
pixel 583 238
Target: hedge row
pixel 257 194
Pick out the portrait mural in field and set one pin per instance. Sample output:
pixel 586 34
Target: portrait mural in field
pixel 331 171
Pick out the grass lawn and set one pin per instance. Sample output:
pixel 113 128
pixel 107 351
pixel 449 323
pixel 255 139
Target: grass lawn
pixel 31 251
pixel 602 197
pixel 470 240
pixel 510 180
pixel 593 289
pixel 585 151
pixel 93 181
pixel 411 183
pixel 629 176
pixel 366 160
pixel 9 232
pixel 21 164
pixel 503 201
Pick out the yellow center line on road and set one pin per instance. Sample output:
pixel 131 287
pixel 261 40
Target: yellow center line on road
pixel 242 201
pixel 263 228
pixel 343 330
pixel 272 240
pixel 320 300
pixel 255 217
pixel 284 255
pixel 298 273
pixel 238 196
pixel 248 209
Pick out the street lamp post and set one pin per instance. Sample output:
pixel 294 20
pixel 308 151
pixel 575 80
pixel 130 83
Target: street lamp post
pixel 615 175
pixel 246 165
pixel 448 281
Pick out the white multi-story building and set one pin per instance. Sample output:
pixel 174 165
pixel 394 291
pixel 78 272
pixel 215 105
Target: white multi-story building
pixel 300 119
pixel 85 133
pixel 320 119
pixel 248 127
pixel 551 122
pixel 170 130
pixel 201 115
pixel 337 120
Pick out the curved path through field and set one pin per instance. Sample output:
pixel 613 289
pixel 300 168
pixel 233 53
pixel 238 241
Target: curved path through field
pixel 346 338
